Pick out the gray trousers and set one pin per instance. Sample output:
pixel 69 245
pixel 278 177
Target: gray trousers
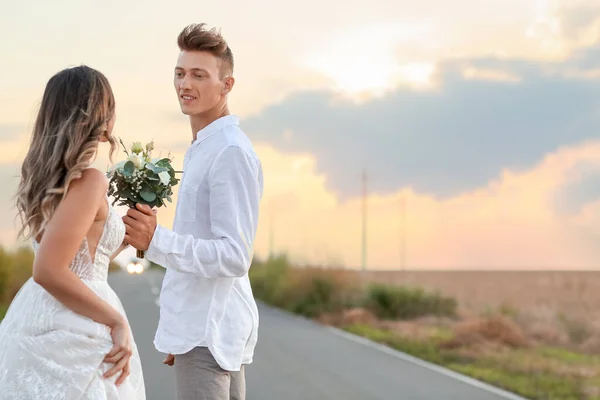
pixel 199 377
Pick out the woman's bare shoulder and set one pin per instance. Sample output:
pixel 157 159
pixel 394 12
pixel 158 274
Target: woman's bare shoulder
pixel 92 184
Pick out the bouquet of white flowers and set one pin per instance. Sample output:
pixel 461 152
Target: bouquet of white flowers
pixel 141 179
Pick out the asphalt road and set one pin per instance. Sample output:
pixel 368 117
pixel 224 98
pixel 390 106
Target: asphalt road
pixel 297 359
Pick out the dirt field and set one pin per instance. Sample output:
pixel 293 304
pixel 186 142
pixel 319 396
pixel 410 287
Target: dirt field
pixel 576 294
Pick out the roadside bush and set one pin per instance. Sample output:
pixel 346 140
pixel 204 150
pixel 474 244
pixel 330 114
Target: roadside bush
pixel 316 291
pixel 400 302
pixel 268 279
pixel 5 261
pixel 15 269
pixel 306 291
pixel 496 328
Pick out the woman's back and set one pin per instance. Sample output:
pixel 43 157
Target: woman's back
pixel 91 262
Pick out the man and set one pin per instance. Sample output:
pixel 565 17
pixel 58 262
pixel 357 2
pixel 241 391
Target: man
pixel 208 317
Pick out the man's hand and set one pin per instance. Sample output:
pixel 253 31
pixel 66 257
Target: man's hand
pixel 170 360
pixel 140 224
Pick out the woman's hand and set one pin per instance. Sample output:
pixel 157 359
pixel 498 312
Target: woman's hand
pixel 121 351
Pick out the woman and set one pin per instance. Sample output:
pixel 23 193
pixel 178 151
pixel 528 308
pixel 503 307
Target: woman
pixel 66 335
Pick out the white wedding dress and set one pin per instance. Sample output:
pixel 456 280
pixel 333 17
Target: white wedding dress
pixel 48 352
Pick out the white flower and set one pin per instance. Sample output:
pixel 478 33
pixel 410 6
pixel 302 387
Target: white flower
pixel 165 178
pixel 138 161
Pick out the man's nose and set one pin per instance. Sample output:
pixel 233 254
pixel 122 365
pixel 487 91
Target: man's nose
pixel 184 84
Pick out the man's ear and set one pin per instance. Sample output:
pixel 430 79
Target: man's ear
pixel 228 83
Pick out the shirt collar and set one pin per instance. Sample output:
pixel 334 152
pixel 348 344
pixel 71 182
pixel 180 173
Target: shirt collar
pixel 215 126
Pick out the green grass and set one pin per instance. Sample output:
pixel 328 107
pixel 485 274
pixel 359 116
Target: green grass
pixel 568 357
pixel 427 350
pixel 532 373
pixel 530 385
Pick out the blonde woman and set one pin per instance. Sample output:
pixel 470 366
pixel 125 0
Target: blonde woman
pixel 66 335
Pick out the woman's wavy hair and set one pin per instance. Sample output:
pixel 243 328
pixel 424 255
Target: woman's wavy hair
pixel 75 112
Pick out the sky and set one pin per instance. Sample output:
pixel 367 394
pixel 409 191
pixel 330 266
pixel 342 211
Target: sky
pixel 476 123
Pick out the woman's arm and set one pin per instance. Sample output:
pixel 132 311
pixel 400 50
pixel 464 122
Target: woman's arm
pixel 119 250
pixel 61 240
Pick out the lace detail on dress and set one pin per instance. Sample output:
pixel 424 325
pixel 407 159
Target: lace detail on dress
pixel 110 240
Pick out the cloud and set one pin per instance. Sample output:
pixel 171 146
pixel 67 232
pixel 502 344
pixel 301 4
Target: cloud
pixel 577 19
pixel 443 141
pixel 582 190
pixel 510 222
pixel 586 60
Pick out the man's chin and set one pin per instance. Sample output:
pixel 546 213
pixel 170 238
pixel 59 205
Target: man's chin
pixel 187 111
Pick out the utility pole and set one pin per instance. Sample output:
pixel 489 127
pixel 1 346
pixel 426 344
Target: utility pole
pixel 364 220
pixel 271 231
pixel 402 232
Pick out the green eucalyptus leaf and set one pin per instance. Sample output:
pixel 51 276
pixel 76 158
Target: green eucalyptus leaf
pixel 164 163
pixel 147 195
pixel 128 168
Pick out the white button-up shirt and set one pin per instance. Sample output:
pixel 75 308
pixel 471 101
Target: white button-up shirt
pixel 206 299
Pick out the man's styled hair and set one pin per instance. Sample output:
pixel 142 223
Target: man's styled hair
pixel 196 37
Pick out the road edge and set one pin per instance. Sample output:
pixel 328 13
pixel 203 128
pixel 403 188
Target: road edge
pixel 406 357
pixel 426 364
